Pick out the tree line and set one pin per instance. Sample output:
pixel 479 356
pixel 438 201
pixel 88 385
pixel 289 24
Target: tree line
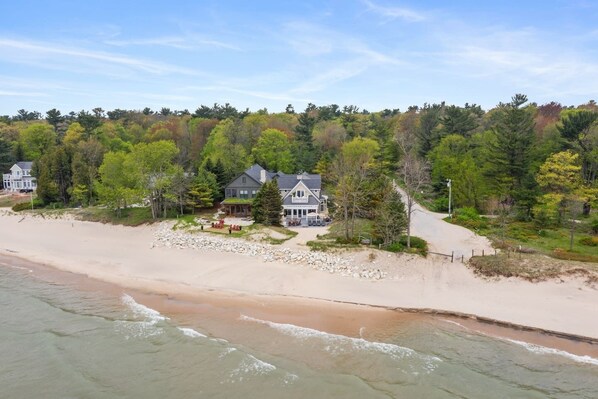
pixel 531 161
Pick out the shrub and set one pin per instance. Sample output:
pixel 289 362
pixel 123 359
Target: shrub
pixel 470 218
pixel 594 225
pixel 22 206
pixel 589 241
pixel 566 255
pixel 440 204
pixel 417 244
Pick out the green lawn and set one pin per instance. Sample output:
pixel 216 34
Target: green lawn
pixel 529 237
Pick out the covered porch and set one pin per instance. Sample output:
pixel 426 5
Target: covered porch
pixel 237 207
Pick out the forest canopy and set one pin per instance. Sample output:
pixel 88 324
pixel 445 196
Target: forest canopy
pixel 527 159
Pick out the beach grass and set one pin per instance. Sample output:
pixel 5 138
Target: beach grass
pixel 532 267
pixel 10 200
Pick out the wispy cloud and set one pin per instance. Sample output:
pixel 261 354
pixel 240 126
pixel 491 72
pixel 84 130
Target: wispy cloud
pixel 524 59
pixel 178 42
pixel 22 94
pixel 40 50
pixel 389 12
pixel 332 56
pixel 330 77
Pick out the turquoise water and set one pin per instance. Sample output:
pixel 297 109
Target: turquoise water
pixel 60 341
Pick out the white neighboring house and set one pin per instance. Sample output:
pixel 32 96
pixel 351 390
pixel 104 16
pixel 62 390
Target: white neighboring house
pixel 19 179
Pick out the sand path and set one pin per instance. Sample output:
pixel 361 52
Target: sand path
pixel 443 237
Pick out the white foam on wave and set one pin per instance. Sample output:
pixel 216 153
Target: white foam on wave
pixel 537 349
pixel 543 350
pixel 455 323
pixel 252 366
pixel 143 328
pixel 191 332
pixel 340 342
pixel 140 310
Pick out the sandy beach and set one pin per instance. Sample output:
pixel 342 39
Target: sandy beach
pixel 130 257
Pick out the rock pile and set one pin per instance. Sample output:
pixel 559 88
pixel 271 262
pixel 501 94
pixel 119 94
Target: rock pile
pixel 166 237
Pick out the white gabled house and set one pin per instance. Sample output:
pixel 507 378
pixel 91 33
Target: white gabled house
pixel 19 179
pixel 301 195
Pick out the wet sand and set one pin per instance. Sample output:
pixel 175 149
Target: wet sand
pixel 359 321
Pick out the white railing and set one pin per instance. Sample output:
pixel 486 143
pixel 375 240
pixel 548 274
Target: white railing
pixel 298 200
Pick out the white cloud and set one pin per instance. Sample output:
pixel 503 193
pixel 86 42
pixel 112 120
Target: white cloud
pixel 25 50
pixel 405 14
pixel 178 42
pixel 22 94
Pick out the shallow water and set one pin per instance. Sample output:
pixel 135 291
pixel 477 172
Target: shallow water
pixel 58 340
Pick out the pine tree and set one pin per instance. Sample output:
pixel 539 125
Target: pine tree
pixel 304 149
pixel 390 216
pixel 6 158
pixel 514 138
pixel 267 205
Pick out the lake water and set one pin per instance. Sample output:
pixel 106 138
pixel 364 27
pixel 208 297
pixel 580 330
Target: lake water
pixel 63 338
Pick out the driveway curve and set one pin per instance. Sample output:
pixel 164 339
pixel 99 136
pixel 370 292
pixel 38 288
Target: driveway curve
pixel 443 237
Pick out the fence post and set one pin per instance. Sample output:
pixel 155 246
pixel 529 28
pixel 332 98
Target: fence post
pixel 452 256
pixel 462 258
pixel 483 253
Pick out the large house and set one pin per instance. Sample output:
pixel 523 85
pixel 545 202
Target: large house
pixel 19 178
pixel 301 193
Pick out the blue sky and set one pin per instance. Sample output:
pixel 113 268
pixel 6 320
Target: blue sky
pixel 375 54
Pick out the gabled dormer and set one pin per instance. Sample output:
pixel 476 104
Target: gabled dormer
pixel 300 194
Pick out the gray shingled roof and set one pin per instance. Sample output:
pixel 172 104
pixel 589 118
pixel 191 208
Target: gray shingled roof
pixel 25 165
pixel 255 172
pixel 287 182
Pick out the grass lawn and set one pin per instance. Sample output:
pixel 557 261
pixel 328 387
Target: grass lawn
pixel 9 200
pixel 527 236
pixel 364 232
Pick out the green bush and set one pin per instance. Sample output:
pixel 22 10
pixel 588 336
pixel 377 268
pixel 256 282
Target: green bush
pixel 589 241
pixel 594 224
pixel 470 218
pixel 22 206
pixel 440 204
pixel 467 214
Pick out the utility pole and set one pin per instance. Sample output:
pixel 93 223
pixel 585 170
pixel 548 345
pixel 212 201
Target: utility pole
pixel 449 185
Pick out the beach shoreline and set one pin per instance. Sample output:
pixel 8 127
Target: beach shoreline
pixel 128 257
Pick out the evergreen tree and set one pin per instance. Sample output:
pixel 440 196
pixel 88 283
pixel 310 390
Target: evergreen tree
pixel 304 148
pixel 267 205
pixel 390 216
pixel 576 127
pixel 54 176
pixel 6 158
pixel 509 154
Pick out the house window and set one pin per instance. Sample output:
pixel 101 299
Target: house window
pixel 243 193
pixel 299 194
pixel 253 193
pixel 244 179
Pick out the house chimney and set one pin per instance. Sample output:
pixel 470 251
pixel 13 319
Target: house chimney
pixel 263 176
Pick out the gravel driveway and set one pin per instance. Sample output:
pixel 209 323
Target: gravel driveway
pixel 443 237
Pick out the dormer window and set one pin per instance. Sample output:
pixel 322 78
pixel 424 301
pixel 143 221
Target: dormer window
pixel 299 194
